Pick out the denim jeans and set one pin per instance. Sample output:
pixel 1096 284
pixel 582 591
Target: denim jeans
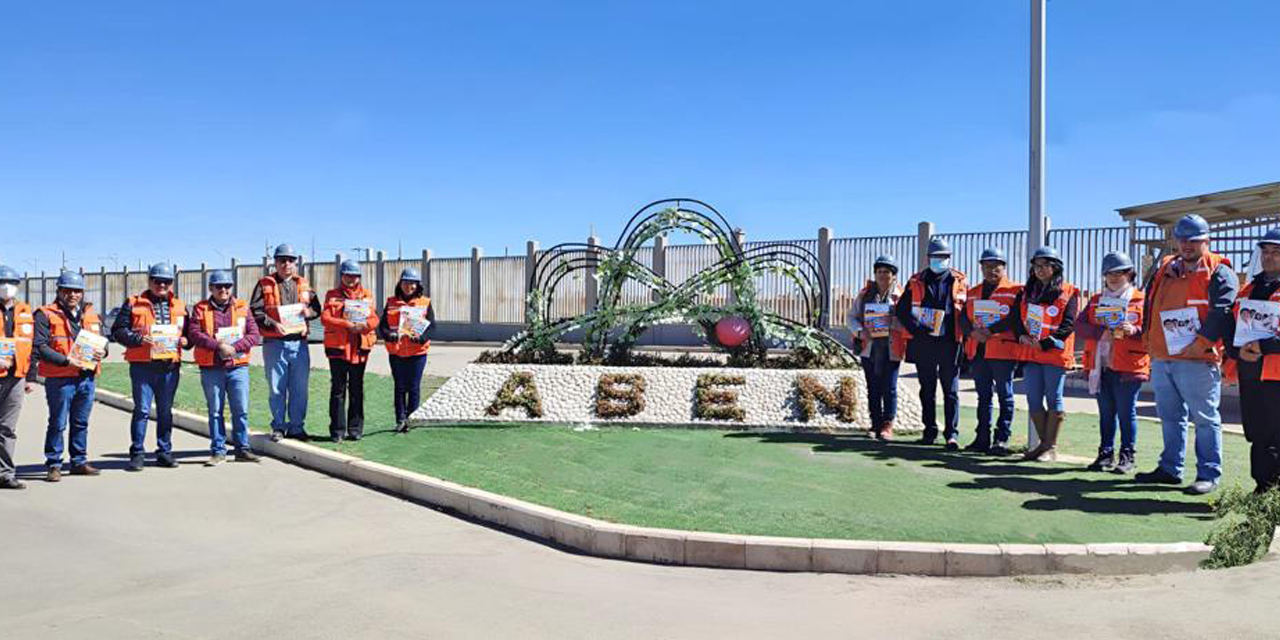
pixel 1044 384
pixel 70 401
pixel 1189 389
pixel 882 389
pixel 936 363
pixel 288 365
pixel 407 375
pixel 1118 407
pixel 224 387
pixel 152 381
pixel 998 375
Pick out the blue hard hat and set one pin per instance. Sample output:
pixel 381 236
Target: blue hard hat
pixel 993 254
pixel 7 274
pixel 286 251
pixel 71 280
pixel 160 271
pixel 411 275
pixel 1271 237
pixel 1116 261
pixel 1191 227
pixel 939 247
pixel 220 277
pixel 1048 253
pixel 350 268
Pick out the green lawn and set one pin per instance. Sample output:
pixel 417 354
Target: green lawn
pixel 809 485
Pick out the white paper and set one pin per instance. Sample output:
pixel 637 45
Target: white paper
pixel 1180 327
pixel 1257 320
pixel 84 352
pixel 164 341
pixel 293 318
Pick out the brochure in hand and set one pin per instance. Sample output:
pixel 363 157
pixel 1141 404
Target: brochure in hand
pixel 8 348
pixel 355 311
pixel 1111 312
pixel 293 318
pixel 876 319
pixel 84 352
pixel 1258 320
pixel 413 322
pixel 1035 321
pixel 230 335
pixel 164 341
pixel 1180 327
pixel 930 318
pixel 989 312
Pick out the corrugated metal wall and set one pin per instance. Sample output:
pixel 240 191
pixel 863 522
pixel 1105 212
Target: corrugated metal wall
pixel 451 289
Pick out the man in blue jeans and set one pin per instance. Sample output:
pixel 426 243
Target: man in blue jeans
pixel 222 332
pixel 282 304
pixel 992 350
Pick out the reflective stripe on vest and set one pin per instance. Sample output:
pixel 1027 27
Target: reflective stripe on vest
pixel 143 315
pixel 1000 346
pixel 404 347
pixel 61 339
pixel 24 329
pixel 1129 354
pixel 205 314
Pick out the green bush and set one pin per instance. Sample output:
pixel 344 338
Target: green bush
pixel 1248 520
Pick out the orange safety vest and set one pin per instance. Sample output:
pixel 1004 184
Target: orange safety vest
pixel 405 347
pixel 271 301
pixel 24 329
pixel 1270 363
pixel 143 315
pixel 335 325
pixel 1129 354
pixel 959 289
pixel 1197 297
pixel 61 339
pixel 203 314
pixel 1064 357
pixel 1000 346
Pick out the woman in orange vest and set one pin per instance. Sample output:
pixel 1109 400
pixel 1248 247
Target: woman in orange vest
pixel 407 336
pixel 1257 361
pixel 1116 359
pixel 878 339
pixel 17 376
pixel 350 322
pixel 1045 328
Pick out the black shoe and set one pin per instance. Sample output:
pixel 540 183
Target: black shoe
pixel 335 439
pixel 979 446
pixel 1000 448
pixel 245 455
pixel 12 483
pixel 927 438
pixel 401 427
pixel 354 437
pixel 1158 476
pixel 166 460
pixel 277 436
pixel 1126 464
pixel 136 463
pixel 952 444
pixel 300 436
pixel 1105 461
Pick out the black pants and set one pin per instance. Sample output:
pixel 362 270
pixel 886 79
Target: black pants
pixel 937 361
pixel 346 379
pixel 1260 410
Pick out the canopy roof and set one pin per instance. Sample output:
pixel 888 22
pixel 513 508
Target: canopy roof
pixel 1245 205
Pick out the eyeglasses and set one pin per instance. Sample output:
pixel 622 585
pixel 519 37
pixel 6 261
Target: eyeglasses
pixel 220 286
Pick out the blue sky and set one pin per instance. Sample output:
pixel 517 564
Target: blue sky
pixel 138 131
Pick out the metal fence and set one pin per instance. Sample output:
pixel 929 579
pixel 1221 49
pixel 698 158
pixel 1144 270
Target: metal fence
pixel 851 262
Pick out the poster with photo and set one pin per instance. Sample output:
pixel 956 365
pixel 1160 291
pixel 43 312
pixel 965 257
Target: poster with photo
pixel 413 322
pixel 1180 327
pixel 1257 320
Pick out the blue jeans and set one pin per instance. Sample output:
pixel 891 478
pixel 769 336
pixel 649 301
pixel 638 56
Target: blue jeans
pixel 70 401
pixel 998 375
pixel 222 387
pixel 406 372
pixel 1044 386
pixel 152 381
pixel 1189 387
pixel 1118 406
pixel 882 390
pixel 288 364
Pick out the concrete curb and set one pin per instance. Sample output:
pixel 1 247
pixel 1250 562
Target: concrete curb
pixel 719 550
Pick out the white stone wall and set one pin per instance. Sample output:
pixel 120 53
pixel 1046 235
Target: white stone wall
pixel 569 395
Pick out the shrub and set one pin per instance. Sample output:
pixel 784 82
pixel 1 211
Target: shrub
pixel 1247 522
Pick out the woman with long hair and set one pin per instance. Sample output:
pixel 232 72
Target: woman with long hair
pixel 1045 325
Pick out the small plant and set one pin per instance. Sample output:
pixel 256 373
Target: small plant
pixel 844 401
pixel 620 395
pixel 1247 522
pixel 713 402
pixel 518 391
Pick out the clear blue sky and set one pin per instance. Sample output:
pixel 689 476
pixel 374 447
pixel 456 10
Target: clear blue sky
pixel 197 131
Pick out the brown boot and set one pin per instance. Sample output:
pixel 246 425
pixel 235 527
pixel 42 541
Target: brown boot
pixel 54 474
pixel 886 430
pixel 1049 449
pixel 85 469
pixel 1038 421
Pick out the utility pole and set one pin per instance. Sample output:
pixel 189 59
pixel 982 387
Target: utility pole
pixel 1035 209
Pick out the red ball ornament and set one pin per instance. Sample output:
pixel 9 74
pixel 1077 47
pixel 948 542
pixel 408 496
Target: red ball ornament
pixel 732 332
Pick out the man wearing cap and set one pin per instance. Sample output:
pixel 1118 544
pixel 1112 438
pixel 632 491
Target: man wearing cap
pixel 350 326
pixel 152 326
pixel 284 343
pixel 69 387
pixel 222 332
pixel 929 312
pixel 407 352
pixel 1198 287
pixel 17 377
pixel 1258 368
pixel 992 349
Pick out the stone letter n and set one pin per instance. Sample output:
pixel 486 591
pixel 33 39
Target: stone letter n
pixel 843 400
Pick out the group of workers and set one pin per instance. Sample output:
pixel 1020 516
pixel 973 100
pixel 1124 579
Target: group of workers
pixel 1176 333
pixel 155 326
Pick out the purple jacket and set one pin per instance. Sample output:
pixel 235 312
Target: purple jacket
pixel 222 318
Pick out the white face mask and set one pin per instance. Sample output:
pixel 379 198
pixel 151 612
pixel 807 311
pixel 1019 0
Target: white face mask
pixel 939 265
pixel 8 291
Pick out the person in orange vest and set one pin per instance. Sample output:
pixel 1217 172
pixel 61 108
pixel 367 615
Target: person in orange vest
pixel 1045 325
pixel 929 312
pixel 222 332
pixel 1117 361
pixel 407 351
pixel 17 376
pixel 69 386
pixel 285 354
pixel 879 342
pixel 1186 314
pixel 152 326
pixel 350 324
pixel 992 349
pixel 1258 364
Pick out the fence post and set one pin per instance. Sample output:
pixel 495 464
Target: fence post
pixel 426 272
pixel 592 284
pixel 530 264
pixel 102 295
pixel 44 289
pixel 124 282
pixel 659 261
pixel 476 254
pixel 924 231
pixel 235 279
pixel 26 284
pixel 380 283
pixel 824 264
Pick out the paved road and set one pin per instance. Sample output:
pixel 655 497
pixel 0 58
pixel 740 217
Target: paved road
pixel 272 550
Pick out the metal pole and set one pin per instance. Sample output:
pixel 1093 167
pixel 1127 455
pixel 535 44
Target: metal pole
pixel 1035 209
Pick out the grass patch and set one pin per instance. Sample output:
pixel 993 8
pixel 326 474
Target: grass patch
pixel 808 485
